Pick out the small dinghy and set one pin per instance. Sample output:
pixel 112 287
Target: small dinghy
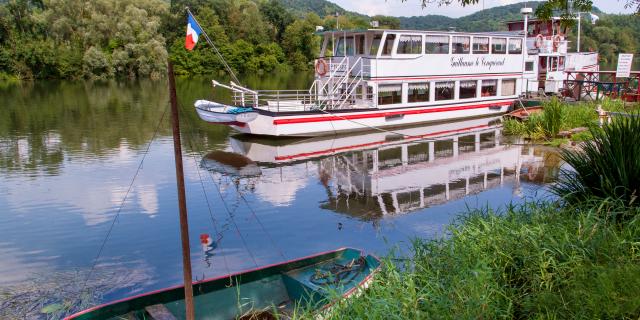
pixel 523 114
pixel 215 112
pixel 270 292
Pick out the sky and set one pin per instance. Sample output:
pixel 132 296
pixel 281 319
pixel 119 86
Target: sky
pixel 413 7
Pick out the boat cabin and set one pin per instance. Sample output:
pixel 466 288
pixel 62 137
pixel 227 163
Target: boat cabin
pixel 411 67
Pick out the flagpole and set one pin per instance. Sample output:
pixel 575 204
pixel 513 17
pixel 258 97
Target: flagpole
pixel 206 36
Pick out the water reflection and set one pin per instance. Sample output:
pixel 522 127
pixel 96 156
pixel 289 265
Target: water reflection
pixel 375 174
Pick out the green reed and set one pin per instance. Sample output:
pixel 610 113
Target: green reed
pixel 537 260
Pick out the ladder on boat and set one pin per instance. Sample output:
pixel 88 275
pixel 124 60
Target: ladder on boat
pixel 343 87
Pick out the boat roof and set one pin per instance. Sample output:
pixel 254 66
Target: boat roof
pixel 489 33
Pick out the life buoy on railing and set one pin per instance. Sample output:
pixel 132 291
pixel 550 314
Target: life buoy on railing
pixel 539 40
pixel 321 67
pixel 556 41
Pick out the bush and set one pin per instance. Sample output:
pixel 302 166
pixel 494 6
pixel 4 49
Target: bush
pixel 606 167
pixel 553 117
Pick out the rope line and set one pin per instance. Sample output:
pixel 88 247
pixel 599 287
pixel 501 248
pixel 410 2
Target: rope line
pixel 371 127
pixel 213 220
pixel 122 203
pixel 224 202
pixel 224 62
pixel 261 225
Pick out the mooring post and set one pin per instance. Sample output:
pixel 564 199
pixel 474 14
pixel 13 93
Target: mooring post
pixel 182 202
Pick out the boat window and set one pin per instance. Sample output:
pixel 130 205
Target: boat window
pixel 360 44
pixel 515 46
pixel 480 45
pixel 437 44
pixel 342 50
pixel 444 90
pixel 560 63
pixel 499 46
pixel 461 45
pixel 388 44
pixel 554 64
pixel 508 87
pixel 418 92
pixel 528 66
pixel 489 88
pixel 389 94
pixel 409 45
pixel 468 89
pixel 375 44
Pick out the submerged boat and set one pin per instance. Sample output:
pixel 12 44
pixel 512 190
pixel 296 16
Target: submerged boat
pixel 264 293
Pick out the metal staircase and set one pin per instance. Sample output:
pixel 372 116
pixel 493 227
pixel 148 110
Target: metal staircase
pixel 339 89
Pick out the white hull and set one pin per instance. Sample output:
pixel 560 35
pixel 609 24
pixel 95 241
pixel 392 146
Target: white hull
pixel 214 112
pixel 325 123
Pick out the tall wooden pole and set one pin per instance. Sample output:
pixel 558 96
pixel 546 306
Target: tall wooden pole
pixel 182 202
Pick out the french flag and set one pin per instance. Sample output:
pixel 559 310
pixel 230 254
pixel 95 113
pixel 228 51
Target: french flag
pixel 193 32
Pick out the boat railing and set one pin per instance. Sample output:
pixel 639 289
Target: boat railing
pixel 343 87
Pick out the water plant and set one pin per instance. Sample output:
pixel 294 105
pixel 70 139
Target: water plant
pixel 607 167
pixel 553 117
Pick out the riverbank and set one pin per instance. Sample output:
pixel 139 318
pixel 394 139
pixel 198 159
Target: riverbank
pixel 562 123
pixel 537 260
pixel 576 256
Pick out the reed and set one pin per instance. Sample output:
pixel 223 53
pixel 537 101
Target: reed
pixel 608 167
pixel 537 260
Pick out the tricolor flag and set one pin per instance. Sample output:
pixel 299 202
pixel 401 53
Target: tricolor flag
pixel 193 32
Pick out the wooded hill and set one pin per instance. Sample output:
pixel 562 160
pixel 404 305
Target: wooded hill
pixel 132 38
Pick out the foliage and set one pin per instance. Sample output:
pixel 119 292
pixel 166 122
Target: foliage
pixel 554 117
pixel 534 261
pixel 606 167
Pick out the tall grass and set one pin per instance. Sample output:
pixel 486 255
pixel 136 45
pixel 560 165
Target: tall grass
pixel 538 260
pixel 553 117
pixel 606 167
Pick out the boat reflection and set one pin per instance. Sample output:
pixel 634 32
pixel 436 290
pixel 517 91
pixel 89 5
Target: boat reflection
pixel 381 173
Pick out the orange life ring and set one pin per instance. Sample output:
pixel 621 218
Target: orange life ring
pixel 539 40
pixel 556 41
pixel 321 67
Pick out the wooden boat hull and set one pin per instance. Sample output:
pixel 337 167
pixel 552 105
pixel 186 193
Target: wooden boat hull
pixel 280 286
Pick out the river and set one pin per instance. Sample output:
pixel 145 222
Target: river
pixel 70 149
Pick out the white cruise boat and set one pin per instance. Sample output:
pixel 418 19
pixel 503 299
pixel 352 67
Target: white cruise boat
pixel 379 79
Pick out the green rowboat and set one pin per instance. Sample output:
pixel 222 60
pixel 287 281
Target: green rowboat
pixel 263 293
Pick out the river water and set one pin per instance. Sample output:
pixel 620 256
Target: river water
pixel 69 151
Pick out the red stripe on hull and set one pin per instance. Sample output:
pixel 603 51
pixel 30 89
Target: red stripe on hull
pixel 386 114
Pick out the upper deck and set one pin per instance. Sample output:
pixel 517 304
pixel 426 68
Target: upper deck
pixel 389 54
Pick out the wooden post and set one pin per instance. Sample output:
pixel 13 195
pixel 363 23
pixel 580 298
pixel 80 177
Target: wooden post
pixel 182 203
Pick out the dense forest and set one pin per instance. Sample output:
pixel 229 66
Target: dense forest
pixel 133 38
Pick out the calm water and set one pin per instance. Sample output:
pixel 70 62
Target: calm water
pixel 69 150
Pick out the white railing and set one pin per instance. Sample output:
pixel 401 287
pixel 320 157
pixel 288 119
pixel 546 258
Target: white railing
pixel 337 90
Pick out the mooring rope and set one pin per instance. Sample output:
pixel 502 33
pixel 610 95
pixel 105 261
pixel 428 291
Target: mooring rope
pixel 213 220
pixel 122 203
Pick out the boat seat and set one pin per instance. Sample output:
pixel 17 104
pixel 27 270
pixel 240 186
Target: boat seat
pixel 160 312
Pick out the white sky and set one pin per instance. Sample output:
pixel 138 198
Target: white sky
pixel 413 7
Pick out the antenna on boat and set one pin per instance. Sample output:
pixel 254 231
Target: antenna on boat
pixel 182 202
pixel 206 36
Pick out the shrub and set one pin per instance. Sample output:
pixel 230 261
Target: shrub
pixel 606 167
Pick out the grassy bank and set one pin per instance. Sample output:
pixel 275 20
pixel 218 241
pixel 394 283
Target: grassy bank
pixel 533 261
pixel 560 116
pixel 577 257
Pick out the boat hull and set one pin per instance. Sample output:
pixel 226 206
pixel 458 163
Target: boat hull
pixel 318 123
pixel 259 289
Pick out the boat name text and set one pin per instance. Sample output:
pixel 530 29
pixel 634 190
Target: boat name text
pixel 480 61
